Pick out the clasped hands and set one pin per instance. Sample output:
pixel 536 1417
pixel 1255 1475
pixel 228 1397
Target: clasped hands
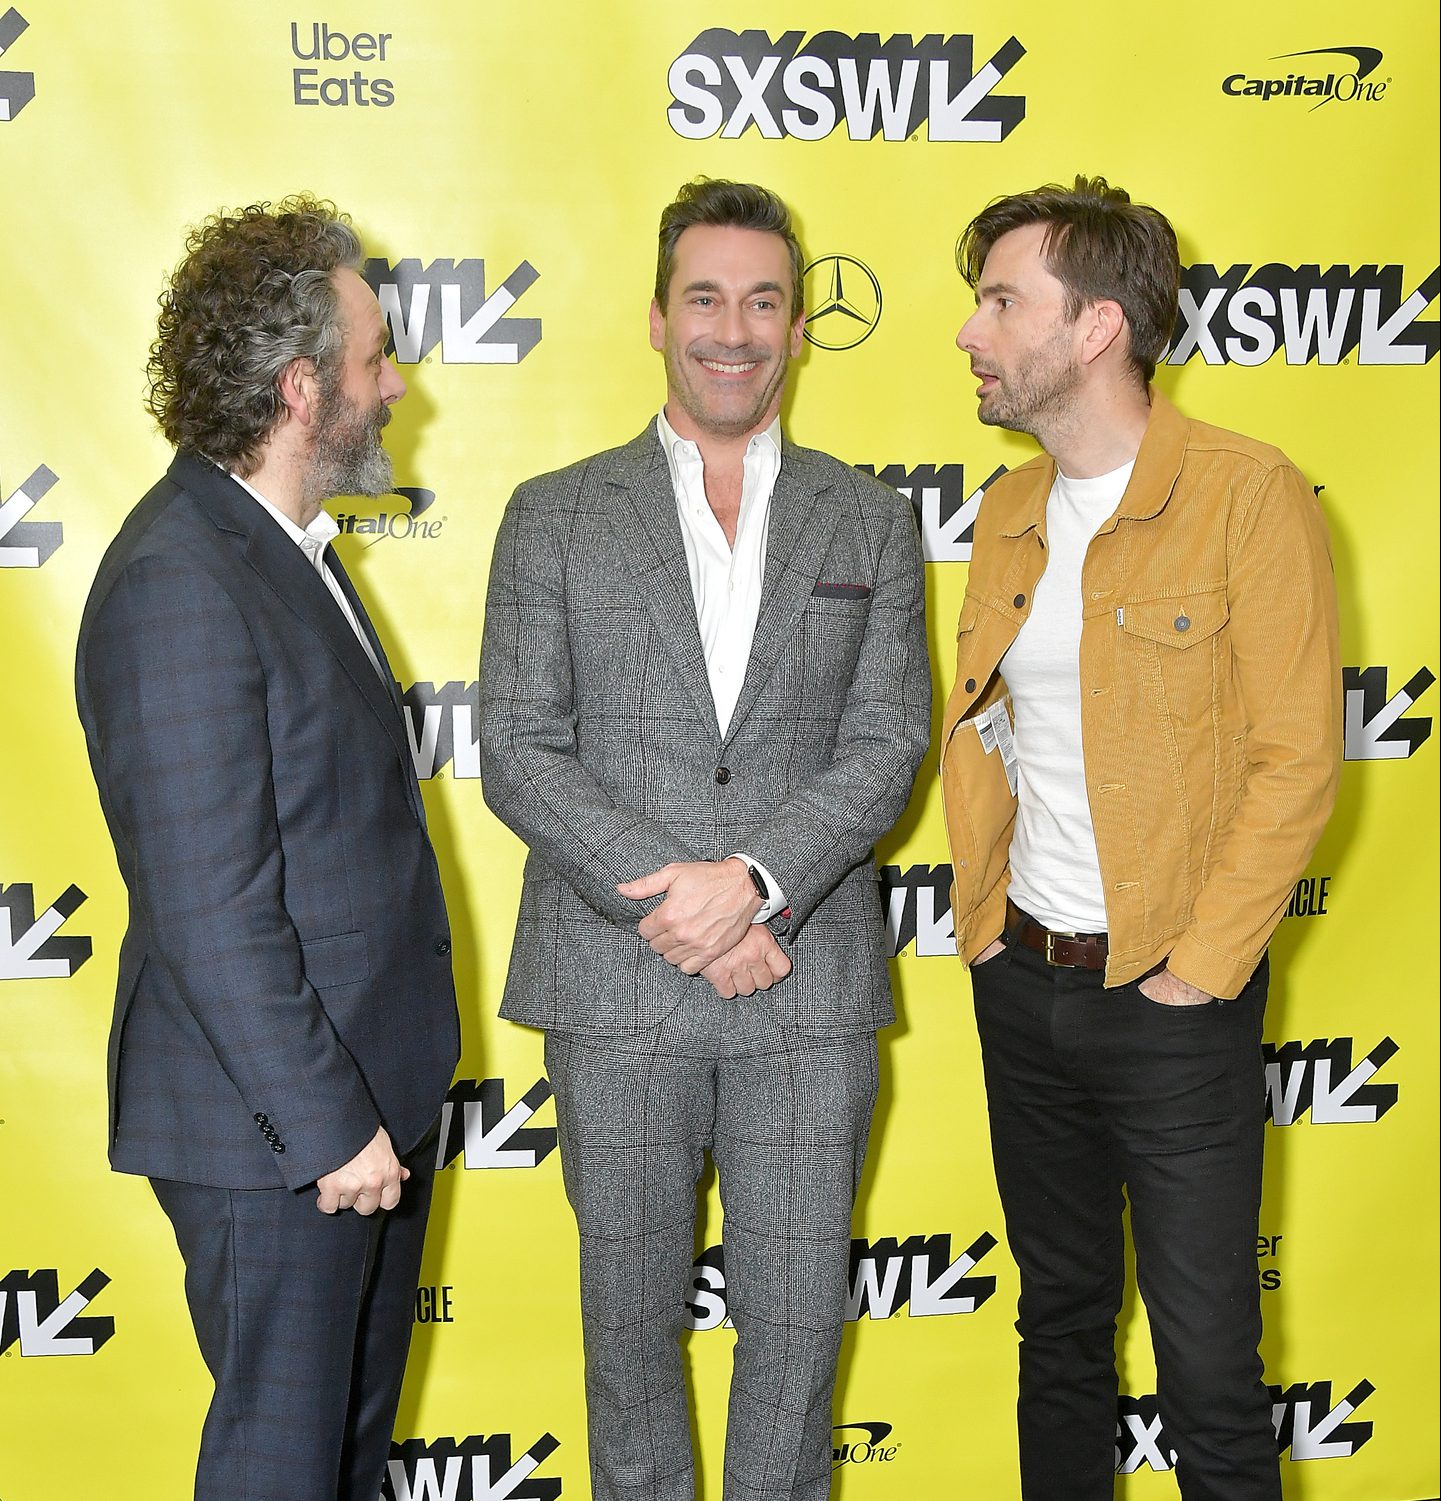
pixel 704 927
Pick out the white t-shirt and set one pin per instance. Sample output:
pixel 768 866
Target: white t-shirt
pixel 1055 875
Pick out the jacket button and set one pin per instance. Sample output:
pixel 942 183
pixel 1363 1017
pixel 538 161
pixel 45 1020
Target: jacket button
pixel 442 946
pixel 1019 601
pixel 722 774
pixel 970 685
pixel 262 1120
pixel 1183 623
pixel 277 1147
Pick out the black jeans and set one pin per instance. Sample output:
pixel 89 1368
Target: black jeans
pixel 1093 1092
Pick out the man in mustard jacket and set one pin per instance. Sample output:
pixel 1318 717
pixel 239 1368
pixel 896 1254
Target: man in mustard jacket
pixel 1138 756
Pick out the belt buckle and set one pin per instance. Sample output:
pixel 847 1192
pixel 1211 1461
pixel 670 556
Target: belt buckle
pixel 1051 949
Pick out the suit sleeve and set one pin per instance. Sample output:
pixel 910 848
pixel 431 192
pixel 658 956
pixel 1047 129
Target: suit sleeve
pixel 178 694
pixel 1282 602
pixel 828 825
pixel 531 774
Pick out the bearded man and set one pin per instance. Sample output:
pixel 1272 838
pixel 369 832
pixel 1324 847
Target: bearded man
pixel 285 1025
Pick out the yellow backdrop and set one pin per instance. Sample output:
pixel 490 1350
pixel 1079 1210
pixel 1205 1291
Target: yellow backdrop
pixel 506 165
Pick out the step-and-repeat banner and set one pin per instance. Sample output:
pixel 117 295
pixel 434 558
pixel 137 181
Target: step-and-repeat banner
pixel 506 166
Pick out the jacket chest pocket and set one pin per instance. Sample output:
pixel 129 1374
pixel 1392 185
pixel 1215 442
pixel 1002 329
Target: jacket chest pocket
pixel 1182 644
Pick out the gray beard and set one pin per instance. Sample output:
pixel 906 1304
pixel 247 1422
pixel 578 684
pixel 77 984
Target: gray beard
pixel 348 458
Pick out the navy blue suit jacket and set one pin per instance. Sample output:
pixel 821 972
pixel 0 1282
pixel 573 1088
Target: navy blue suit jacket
pixel 284 984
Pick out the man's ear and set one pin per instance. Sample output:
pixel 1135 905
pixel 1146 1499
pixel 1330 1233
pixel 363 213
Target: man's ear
pixel 798 329
pixel 299 387
pixel 1104 325
pixel 657 326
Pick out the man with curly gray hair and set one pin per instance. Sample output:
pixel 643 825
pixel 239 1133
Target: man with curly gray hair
pixel 285 1026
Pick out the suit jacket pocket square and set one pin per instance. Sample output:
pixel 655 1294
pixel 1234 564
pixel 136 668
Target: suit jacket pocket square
pixel 824 590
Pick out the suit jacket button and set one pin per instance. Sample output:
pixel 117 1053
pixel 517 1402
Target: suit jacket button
pixel 442 946
pixel 277 1146
pixel 262 1120
pixel 722 774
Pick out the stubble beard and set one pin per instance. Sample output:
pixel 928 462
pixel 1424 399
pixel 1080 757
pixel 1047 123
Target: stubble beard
pixel 347 455
pixel 705 417
pixel 1038 395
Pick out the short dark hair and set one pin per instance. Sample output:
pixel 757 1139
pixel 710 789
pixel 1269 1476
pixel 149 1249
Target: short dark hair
pixel 254 292
pixel 730 205
pixel 1101 247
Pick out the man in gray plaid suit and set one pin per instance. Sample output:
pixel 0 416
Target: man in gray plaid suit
pixel 704 695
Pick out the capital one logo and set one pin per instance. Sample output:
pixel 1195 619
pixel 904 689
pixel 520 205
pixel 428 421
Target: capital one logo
pixel 1377 727
pixel 16 89
pixel 725 82
pixel 475 1125
pixel 917 1274
pixel 446 305
pixel 34 1317
pixel 1320 1077
pixel 27 544
pixel 862 1444
pixel 443 724
pixel 477 1468
pixel 1247 315
pixel 1309 1424
pixel 29 946
pixel 945 510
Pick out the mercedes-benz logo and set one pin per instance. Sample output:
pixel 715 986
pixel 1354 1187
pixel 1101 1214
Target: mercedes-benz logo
pixel 846 301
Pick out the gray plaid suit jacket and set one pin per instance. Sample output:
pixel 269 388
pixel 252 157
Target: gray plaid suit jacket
pixel 600 745
pixel 284 984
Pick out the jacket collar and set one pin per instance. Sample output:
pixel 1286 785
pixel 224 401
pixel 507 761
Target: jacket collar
pixel 645 518
pixel 1158 463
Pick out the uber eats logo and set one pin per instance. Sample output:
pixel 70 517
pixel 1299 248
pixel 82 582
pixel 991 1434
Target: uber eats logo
pixel 478 1468
pixel 1320 1078
pixel 29 946
pixel 16 89
pixel 23 543
pixel 945 509
pixel 446 305
pixel 1310 1423
pixel 35 1319
pixel 333 81
pixel 1248 314
pixel 727 82
pixel 476 1126
pixel 918 1274
pixel 443 723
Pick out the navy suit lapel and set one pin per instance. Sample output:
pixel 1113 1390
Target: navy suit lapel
pixel 797 538
pixel 348 589
pixel 288 573
pixel 644 516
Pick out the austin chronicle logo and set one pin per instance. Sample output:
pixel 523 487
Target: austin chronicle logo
pixel 477 1468
pixel 29 947
pixel 34 1317
pixel 445 304
pixel 27 544
pixel 16 89
pixel 727 82
pixel 844 302
pixel 1248 314
pixel 1325 83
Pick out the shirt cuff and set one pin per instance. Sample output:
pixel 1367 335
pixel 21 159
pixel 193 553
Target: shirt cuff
pixel 777 902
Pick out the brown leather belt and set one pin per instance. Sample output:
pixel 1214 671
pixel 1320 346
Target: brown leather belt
pixel 1065 950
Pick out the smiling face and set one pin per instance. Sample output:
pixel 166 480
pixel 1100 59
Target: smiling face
pixel 1024 347
pixel 346 456
pixel 726 333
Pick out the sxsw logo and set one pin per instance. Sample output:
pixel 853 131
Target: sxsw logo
pixel 862 1444
pixel 475 1123
pixel 478 1468
pixel 918 909
pixel 1375 729
pixel 27 544
pixel 446 304
pixel 16 89
pixel 725 82
pixel 443 724
pixel 1247 315
pixel 29 948
pixel 35 1317
pixel 945 512
pixel 1309 1424
pixel 918 1274
pixel 1320 1077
